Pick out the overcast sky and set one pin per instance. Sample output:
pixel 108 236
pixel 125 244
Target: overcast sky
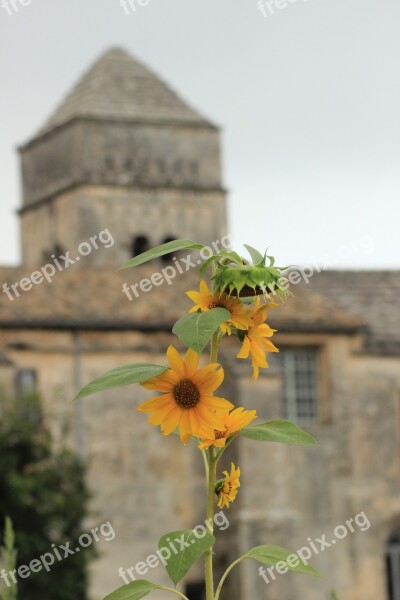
pixel 308 99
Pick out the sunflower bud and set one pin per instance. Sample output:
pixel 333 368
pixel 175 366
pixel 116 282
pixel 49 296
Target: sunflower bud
pixel 218 487
pixel 243 279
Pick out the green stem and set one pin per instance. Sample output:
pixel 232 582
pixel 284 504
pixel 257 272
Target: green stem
pixel 222 450
pixel 225 575
pixel 210 523
pixel 162 587
pixel 211 480
pixel 203 452
pixel 214 347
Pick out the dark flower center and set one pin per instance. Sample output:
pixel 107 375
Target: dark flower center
pixel 249 292
pixel 227 484
pixel 220 434
pixel 186 393
pixel 219 304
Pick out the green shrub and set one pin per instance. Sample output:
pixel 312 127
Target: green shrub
pixel 44 492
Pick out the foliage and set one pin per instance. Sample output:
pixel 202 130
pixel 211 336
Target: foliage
pixel 44 492
pixel 8 554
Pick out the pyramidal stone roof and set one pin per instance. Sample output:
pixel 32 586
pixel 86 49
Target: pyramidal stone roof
pixel 118 87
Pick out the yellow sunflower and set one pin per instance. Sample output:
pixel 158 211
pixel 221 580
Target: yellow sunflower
pixel 186 402
pixel 234 421
pixel 227 488
pixel 256 342
pixel 205 300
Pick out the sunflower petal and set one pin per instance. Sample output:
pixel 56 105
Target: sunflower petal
pixel 176 362
pixel 218 403
pixel 245 350
pixel 191 362
pixel 155 403
pixel 162 383
pixel 209 378
pixel 171 422
pixel 184 427
pixel 204 289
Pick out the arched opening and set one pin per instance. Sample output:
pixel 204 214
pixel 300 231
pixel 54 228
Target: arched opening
pixel 58 250
pixel 139 245
pixel 393 565
pixel 196 591
pixel 167 257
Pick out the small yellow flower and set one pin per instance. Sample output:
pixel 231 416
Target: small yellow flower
pixel 205 300
pixel 187 402
pixel 256 342
pixel 227 488
pixel 233 423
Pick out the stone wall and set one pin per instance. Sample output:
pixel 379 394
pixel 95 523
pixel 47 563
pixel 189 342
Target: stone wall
pixel 116 153
pixel 75 216
pixel 288 494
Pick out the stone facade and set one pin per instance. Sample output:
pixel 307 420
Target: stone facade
pixel 157 214
pixel 125 153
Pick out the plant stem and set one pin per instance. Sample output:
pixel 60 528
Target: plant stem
pixel 162 587
pixel 222 450
pixel 225 575
pixel 205 459
pixel 210 523
pixel 214 347
pixel 211 480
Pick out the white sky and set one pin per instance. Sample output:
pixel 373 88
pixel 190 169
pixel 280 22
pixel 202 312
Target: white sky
pixel 308 99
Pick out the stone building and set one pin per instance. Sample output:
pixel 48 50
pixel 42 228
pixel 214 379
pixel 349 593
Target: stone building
pixel 124 164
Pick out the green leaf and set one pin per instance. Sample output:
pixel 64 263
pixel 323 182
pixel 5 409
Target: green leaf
pixel 229 254
pixel 158 251
pixel 121 376
pixel 272 555
pixel 256 257
pixel 193 547
pixel 133 591
pixel 284 432
pixel 195 330
pixel 206 263
pixel 232 256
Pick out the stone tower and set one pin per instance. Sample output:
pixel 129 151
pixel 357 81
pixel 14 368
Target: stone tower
pixel 122 152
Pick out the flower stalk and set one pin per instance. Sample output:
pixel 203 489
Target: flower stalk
pixel 211 473
pixel 209 576
pixel 186 403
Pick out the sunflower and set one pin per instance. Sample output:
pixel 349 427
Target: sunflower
pixel 186 402
pixel 234 421
pixel 256 342
pixel 244 279
pixel 227 488
pixel 205 300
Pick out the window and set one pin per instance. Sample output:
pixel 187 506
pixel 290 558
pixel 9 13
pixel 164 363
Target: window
pixel 25 382
pixel 393 566
pixel 167 257
pixel 58 250
pixel 140 244
pixel 196 591
pixel 55 251
pixel 301 383
pixel 26 394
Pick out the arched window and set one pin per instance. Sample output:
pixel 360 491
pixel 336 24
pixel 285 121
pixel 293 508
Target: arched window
pixel 196 591
pixel 393 565
pixel 58 250
pixel 140 244
pixel 167 257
